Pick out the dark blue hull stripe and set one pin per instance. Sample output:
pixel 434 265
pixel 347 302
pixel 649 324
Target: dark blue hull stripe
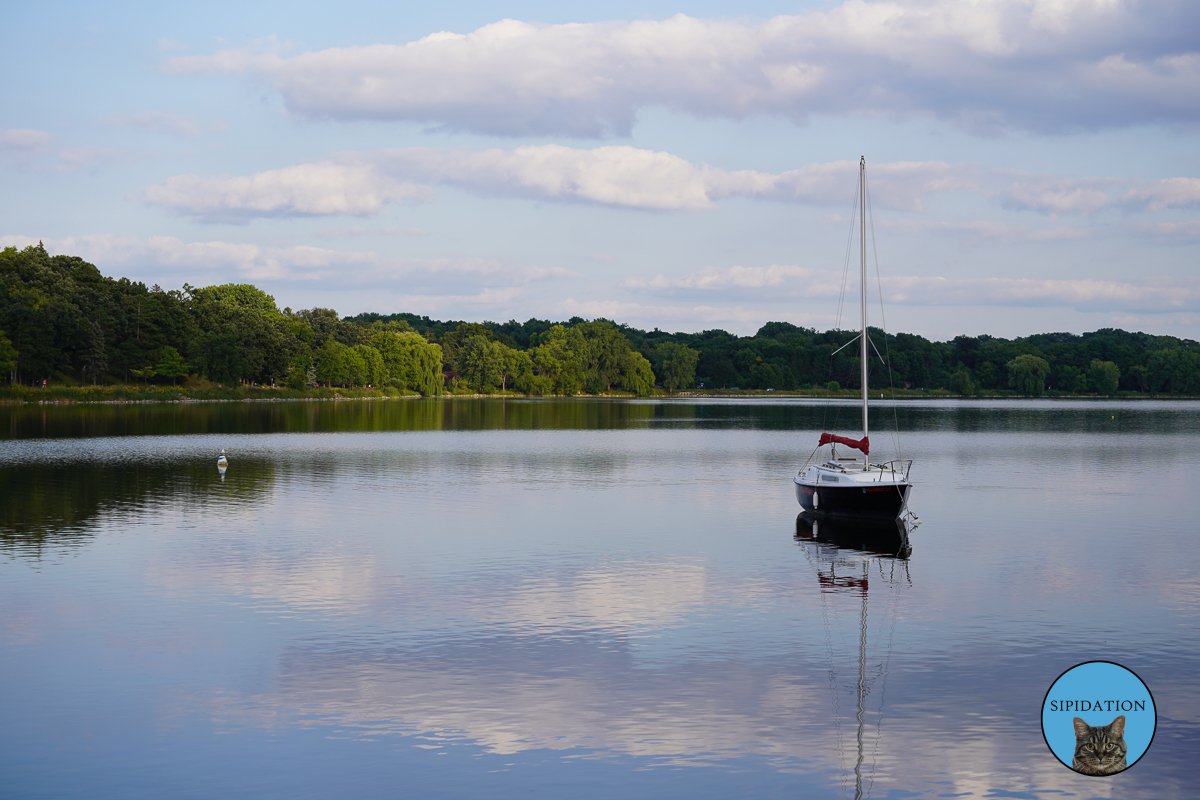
pixel 853 501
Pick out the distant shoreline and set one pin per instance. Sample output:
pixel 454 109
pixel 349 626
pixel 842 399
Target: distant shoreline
pixel 129 395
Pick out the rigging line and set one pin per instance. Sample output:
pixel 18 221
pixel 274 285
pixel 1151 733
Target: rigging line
pixel 837 325
pixel 810 455
pixel 846 261
pixel 883 323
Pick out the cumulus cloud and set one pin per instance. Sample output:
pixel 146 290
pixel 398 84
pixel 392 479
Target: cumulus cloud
pixel 321 188
pixel 1149 295
pixel 1041 65
pixel 617 175
pixel 183 125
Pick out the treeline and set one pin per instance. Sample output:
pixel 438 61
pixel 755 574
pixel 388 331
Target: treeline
pixel 62 321
pixel 786 357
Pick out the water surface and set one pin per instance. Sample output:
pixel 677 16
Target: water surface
pixel 589 598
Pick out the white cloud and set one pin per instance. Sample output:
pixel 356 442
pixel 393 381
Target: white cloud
pixel 1060 234
pixel 1154 295
pixel 1177 232
pixel 321 188
pixel 361 183
pixel 685 316
pixel 1055 195
pixel 218 261
pixel 899 185
pixel 32 146
pixel 614 175
pixel 184 125
pixel 1164 194
pixel 362 230
pixel 24 139
pixel 768 284
pixel 73 158
pixel 978 231
pixel 1043 65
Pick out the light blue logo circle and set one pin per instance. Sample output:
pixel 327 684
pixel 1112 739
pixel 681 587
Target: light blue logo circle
pixel 1098 692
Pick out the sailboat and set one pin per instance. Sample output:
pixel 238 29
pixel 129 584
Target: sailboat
pixel 848 486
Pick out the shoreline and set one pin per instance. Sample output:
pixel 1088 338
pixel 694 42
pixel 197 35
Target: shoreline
pixel 335 395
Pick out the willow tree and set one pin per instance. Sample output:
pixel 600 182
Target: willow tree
pixel 1027 374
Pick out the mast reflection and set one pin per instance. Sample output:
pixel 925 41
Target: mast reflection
pixel 846 555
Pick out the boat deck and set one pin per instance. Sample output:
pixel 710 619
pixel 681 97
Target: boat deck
pixel 850 474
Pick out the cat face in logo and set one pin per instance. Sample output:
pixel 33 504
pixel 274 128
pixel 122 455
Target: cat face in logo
pixel 1100 749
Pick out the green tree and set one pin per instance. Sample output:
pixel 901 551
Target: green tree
pixel 558 359
pixel 678 366
pixel 1140 376
pixel 95 358
pixel 452 341
pixel 602 354
pixel 265 338
pixel 356 370
pixel 1174 369
pixel 961 383
pixel 8 357
pixel 518 367
pixel 1072 379
pixel 333 368
pixel 480 361
pixel 1027 374
pixel 410 361
pixel 300 370
pixel 374 372
pixel 427 360
pixel 172 365
pixel 219 356
pixel 145 373
pixel 324 324
pixel 1104 376
pixel 636 374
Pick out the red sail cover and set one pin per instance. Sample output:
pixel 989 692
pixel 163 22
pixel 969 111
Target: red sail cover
pixel 864 444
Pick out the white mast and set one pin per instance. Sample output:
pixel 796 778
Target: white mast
pixel 862 247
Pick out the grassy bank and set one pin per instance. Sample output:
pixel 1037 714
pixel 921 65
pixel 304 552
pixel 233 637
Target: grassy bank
pixel 203 391
pixel 191 392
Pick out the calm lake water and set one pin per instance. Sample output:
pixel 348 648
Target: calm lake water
pixel 581 599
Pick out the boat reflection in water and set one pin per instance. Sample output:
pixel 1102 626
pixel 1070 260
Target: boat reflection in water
pixel 856 561
pixel 879 537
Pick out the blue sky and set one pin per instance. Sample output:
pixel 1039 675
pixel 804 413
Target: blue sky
pixel 1034 163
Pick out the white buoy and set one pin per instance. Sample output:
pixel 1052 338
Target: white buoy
pixel 222 461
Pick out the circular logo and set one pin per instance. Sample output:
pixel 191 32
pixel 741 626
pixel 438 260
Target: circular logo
pixel 1098 718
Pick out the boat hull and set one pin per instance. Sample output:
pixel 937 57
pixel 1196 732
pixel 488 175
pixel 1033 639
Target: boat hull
pixel 876 501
